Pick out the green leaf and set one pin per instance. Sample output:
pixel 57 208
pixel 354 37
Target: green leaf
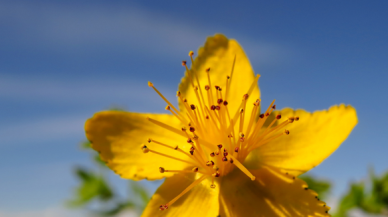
pixel 321 186
pixel 92 187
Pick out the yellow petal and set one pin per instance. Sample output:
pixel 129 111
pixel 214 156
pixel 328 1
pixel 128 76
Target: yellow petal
pixel 272 194
pixel 311 140
pixel 118 137
pixel 218 54
pixel 199 201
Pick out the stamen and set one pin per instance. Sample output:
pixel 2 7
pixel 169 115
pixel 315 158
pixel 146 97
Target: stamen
pixel 164 98
pixel 196 182
pixel 146 150
pixel 167 127
pixel 242 168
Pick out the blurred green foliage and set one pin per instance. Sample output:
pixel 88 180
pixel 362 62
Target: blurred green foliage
pixel 96 194
pixel 370 196
pixel 321 186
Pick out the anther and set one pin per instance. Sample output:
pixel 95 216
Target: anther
pixel 230 136
pixel 236 149
pixel 207 116
pixel 218 107
pixel 212 154
pixel 231 160
pixel 291 119
pixel 192 129
pixel 296 118
pixel 191 53
pixel 196 88
pixel 184 63
pixel 208 69
pixel 145 150
pixel 262 116
pixel 241 135
pixel 267 114
pixel 167 108
pixel 241 110
pixel 224 159
pixel 227 77
pixel 278 116
pixel 150 84
pixel 178 93
pixel 183 128
pixel 207 87
pixel 219 146
pixel 216 168
pixel 192 148
pixel 225 154
pixel 216 174
pixel 192 152
pixel 287 132
pixel 161 170
pixel 192 107
pixel 219 101
pixel 257 102
pixel 210 163
pixel 217 87
pixel 184 100
pixel 274 106
pixel 149 140
pixel 245 97
pixel 212 186
pixel 189 140
pixel 225 103
pixel 213 107
pixel 176 148
pixel 195 169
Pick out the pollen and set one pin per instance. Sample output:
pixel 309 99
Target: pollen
pixel 217 131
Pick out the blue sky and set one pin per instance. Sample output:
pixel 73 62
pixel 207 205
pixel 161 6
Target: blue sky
pixel 60 62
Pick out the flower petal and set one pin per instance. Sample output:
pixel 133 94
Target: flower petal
pixel 118 137
pixel 218 54
pixel 272 194
pixel 199 201
pixel 312 139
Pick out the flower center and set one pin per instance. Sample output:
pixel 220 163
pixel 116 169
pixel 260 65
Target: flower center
pixel 219 141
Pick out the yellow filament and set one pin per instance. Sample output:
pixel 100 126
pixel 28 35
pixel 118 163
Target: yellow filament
pixel 168 156
pixel 252 119
pixel 176 115
pixel 167 127
pixel 211 91
pixel 164 98
pixel 242 168
pixel 231 76
pixel 249 93
pixel 259 124
pixel 192 185
pixel 167 146
pixel 185 171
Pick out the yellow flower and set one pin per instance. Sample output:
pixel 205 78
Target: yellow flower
pixel 220 153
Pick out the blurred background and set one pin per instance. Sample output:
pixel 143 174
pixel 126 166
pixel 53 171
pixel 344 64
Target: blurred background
pixel 62 61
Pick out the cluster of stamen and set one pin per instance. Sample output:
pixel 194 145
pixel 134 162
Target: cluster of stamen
pixel 210 130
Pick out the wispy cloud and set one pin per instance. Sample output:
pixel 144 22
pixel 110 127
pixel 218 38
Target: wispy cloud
pixel 58 212
pixel 130 27
pixel 42 130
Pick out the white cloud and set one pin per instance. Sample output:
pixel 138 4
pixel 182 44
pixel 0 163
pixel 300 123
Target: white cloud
pixel 42 130
pixel 71 91
pixel 57 212
pixel 130 27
